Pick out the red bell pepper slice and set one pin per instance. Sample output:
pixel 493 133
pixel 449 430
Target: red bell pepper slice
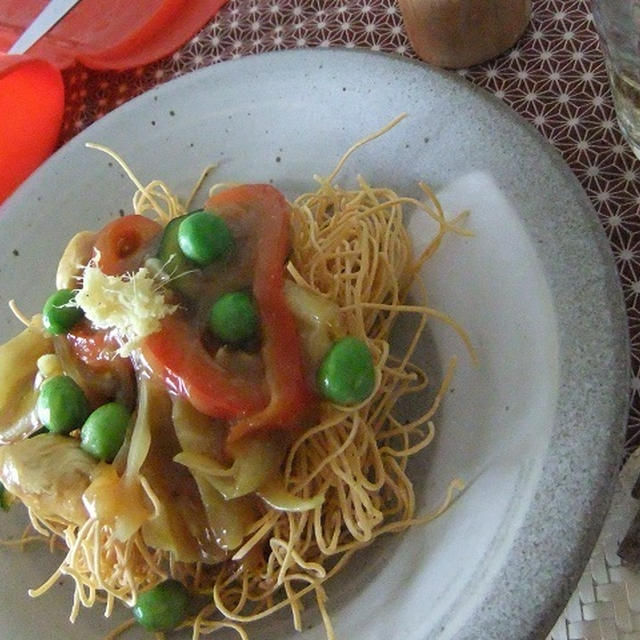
pixel 187 369
pixel 95 347
pixel 290 395
pixel 123 243
pixel 180 358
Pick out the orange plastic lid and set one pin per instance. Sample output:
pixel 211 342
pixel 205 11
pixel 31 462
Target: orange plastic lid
pixel 109 34
pixel 31 110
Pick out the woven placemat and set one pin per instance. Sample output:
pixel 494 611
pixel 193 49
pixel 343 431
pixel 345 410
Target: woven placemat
pixel 606 602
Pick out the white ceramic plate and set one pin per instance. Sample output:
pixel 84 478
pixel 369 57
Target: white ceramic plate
pixel 535 429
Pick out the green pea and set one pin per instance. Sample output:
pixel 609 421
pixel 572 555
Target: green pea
pixel 104 430
pixel 347 375
pixel 59 313
pixel 163 607
pixel 204 237
pixel 170 254
pixel 233 317
pixel 61 406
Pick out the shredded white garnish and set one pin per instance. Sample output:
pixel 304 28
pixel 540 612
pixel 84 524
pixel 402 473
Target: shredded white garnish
pixel 132 304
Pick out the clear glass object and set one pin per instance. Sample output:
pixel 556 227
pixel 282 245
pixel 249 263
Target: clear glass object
pixel 618 25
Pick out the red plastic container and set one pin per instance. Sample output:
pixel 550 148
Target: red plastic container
pixel 31 110
pixel 109 34
pixel 101 34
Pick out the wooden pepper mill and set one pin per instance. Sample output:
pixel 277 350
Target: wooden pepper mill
pixel 461 33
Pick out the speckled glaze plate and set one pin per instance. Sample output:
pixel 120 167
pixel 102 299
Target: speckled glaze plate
pixel 535 429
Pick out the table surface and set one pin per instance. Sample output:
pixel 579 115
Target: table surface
pixel 554 77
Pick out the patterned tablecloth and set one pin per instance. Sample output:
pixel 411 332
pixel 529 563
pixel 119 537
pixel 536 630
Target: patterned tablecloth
pixel 554 77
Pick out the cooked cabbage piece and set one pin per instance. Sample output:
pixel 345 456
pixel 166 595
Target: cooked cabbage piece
pixel 77 253
pixel 317 319
pixel 18 371
pixel 202 441
pixel 49 473
pixel 179 524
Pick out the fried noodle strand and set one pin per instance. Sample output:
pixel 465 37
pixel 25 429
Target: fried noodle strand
pixel 350 246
